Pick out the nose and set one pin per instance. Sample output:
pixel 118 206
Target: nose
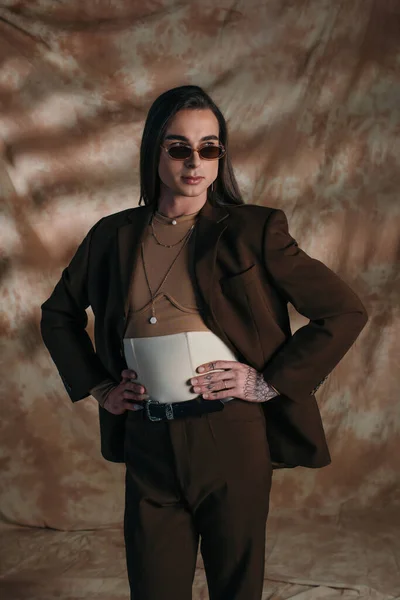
pixel 194 159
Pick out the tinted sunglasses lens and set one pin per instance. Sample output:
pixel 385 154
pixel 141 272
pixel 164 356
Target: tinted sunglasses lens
pixel 180 152
pixel 210 152
pixel 183 152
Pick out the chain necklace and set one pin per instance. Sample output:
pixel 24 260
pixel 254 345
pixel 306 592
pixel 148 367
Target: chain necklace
pixel 153 318
pixel 166 245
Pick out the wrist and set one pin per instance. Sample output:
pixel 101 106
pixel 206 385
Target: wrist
pixel 274 389
pixel 264 390
pixel 102 395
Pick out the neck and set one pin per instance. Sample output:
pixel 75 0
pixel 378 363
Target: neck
pixel 177 206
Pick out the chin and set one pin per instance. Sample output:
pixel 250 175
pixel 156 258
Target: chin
pixel 190 191
pixel 185 193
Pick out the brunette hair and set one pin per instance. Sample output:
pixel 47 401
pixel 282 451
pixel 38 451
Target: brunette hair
pixel 226 190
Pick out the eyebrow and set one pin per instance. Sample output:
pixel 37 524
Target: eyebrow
pixel 173 136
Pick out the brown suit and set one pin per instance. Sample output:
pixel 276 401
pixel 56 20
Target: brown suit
pixel 247 267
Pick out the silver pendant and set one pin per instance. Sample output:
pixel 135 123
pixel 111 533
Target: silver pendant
pixel 153 320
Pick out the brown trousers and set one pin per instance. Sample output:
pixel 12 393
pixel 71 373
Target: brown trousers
pixel 207 476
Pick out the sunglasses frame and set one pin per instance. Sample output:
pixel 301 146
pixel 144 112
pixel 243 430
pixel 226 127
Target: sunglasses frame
pixel 198 149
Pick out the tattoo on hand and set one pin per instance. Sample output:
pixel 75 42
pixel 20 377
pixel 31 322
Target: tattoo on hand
pixel 256 389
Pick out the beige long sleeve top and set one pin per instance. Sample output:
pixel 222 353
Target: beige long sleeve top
pixel 177 304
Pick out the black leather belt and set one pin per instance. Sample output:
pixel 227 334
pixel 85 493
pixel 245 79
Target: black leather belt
pixel 159 411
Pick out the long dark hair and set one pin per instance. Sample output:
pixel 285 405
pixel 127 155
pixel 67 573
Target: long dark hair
pixel 226 190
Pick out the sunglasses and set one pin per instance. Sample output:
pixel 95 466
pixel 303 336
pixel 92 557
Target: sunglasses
pixel 182 152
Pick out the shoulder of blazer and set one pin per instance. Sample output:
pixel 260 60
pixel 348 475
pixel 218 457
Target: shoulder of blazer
pixel 110 223
pixel 250 223
pixel 249 211
pixel 121 217
pixel 249 220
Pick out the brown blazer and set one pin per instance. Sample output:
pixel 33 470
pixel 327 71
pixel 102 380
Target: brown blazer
pixel 248 267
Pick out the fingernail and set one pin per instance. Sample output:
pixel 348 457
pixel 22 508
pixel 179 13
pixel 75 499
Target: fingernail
pixel 200 369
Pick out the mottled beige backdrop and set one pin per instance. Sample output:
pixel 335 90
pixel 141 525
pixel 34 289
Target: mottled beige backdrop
pixel 311 93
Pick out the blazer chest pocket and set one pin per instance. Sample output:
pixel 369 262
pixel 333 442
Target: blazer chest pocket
pixel 244 289
pixel 244 292
pixel 235 283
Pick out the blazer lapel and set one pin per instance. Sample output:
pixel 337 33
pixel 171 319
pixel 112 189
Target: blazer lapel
pixel 211 223
pixel 130 237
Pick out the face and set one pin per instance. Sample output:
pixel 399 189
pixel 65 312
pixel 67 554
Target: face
pixel 195 128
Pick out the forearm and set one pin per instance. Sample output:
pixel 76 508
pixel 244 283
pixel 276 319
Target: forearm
pixel 336 314
pixel 306 360
pixel 63 327
pixel 72 352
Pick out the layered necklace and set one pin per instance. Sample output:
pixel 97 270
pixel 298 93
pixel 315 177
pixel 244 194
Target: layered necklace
pixel 153 319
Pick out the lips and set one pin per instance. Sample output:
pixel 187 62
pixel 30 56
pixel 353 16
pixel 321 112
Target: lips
pixel 192 179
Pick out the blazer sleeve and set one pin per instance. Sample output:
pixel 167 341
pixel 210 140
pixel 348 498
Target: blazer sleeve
pixel 100 392
pixel 63 327
pixel 336 314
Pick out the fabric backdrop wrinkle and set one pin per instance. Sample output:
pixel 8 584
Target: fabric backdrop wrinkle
pixel 310 91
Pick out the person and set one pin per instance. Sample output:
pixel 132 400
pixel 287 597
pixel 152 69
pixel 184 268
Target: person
pixel 203 390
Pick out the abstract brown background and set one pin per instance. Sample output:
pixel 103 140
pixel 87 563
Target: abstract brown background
pixel 311 93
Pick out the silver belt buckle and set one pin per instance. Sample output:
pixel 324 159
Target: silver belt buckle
pixel 168 409
pixel 147 406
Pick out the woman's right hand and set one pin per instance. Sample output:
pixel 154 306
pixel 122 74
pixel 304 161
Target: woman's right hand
pixel 123 395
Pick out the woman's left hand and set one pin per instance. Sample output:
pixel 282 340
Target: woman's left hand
pixel 237 380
